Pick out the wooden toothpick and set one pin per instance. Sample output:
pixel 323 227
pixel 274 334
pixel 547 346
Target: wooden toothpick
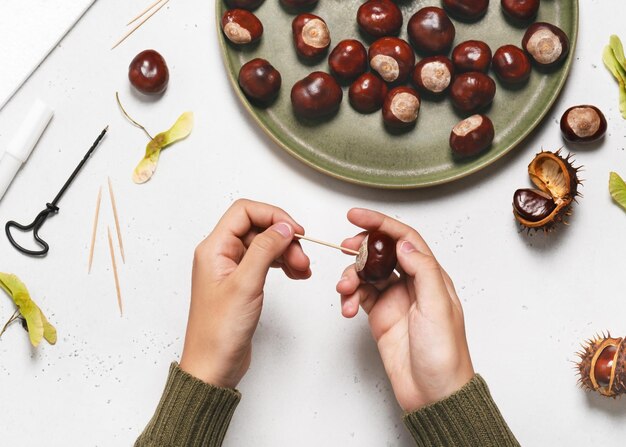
pixel 117 281
pixel 117 221
pixel 125 36
pixel 95 228
pixel 144 11
pixel 328 244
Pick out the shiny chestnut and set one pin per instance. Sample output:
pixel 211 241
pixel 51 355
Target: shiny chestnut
pixel 377 258
pixel 241 26
pixel 295 4
pixel 546 44
pixel 433 75
pixel 259 81
pixel 316 96
pixel 583 124
pixel 348 60
pixel 379 18
pixel 431 31
pixel 471 136
pixel 244 4
pixel 472 91
pixel 148 73
pixel 401 107
pixel 533 205
pixel 511 64
pixel 467 10
pixel 391 58
pixel 367 93
pixel 523 10
pixel 471 55
pixel 310 36
pixel 603 370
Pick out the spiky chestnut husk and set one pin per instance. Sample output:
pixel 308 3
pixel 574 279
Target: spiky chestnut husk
pixel 600 372
pixel 554 175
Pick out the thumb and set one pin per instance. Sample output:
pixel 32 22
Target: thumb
pixel 263 251
pixel 424 277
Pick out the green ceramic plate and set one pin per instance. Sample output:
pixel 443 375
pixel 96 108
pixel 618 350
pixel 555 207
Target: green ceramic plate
pixel 356 147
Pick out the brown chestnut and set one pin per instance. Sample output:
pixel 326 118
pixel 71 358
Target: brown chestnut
pixel 583 124
pixel 472 91
pixel 244 4
pixel 511 64
pixel 520 9
pixel 377 257
pixel 241 26
pixel 379 18
pixel 148 72
pixel 471 136
pixel 391 58
pixel 471 55
pixel 316 96
pixel 294 4
pixel 431 31
pixel 310 35
pixel 546 44
pixel 603 369
pixel 433 75
pixel 348 60
pixel 468 10
pixel 367 93
pixel 401 107
pixel 260 81
pixel 532 204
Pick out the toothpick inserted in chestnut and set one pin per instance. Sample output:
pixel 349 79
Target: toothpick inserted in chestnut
pixel 328 244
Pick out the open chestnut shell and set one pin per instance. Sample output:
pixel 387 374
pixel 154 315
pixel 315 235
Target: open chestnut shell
pixel 391 58
pixel 310 36
pixel 433 75
pixel 522 10
pixel 471 55
pixel 401 107
pixel 602 366
pixel 583 124
pixel 467 10
pixel 241 26
pixel 557 183
pixel 379 18
pixel 259 81
pixel 511 64
pixel 472 91
pixel 348 60
pixel 367 93
pixel 377 257
pixel 316 96
pixel 546 44
pixel 431 31
pixel 471 136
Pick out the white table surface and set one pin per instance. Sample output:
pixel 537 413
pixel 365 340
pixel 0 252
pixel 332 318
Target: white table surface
pixel 316 378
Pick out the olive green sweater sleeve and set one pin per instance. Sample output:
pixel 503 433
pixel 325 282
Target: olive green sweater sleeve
pixel 467 418
pixel 191 413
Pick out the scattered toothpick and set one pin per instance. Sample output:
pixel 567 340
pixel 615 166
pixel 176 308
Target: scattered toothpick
pixel 117 221
pixel 125 36
pixel 95 228
pixel 117 281
pixel 328 244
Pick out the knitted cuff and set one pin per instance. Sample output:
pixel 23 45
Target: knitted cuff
pixel 190 413
pixel 467 418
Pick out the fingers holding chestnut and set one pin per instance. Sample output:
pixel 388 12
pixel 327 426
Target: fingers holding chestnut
pixel 471 136
pixel 401 108
pixel 367 93
pixel 241 26
pixel 316 96
pixel 310 35
pixel 377 258
pixel 259 81
pixel 392 59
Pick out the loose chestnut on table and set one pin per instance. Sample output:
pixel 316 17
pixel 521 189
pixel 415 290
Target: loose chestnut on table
pixel 392 58
pixel 259 81
pixel 367 93
pixel 546 44
pixel 241 26
pixel 511 64
pixel 310 36
pixel 348 60
pixel 467 10
pixel 471 55
pixel 379 18
pixel 520 9
pixel 377 257
pixel 316 96
pixel 431 31
pixel 401 108
pixel 471 136
pixel 148 72
pixel 244 4
pixel 472 91
pixel 433 75
pixel 583 124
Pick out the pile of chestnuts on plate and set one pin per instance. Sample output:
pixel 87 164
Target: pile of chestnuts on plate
pixel 388 76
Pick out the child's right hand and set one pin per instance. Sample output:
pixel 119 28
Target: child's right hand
pixel 416 319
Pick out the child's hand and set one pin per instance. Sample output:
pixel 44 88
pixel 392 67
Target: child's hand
pixel 416 319
pixel 229 272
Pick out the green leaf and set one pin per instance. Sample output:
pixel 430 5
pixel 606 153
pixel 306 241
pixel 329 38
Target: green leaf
pixel 618 50
pixel 38 325
pixel 613 58
pixel 617 188
pixel 146 167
